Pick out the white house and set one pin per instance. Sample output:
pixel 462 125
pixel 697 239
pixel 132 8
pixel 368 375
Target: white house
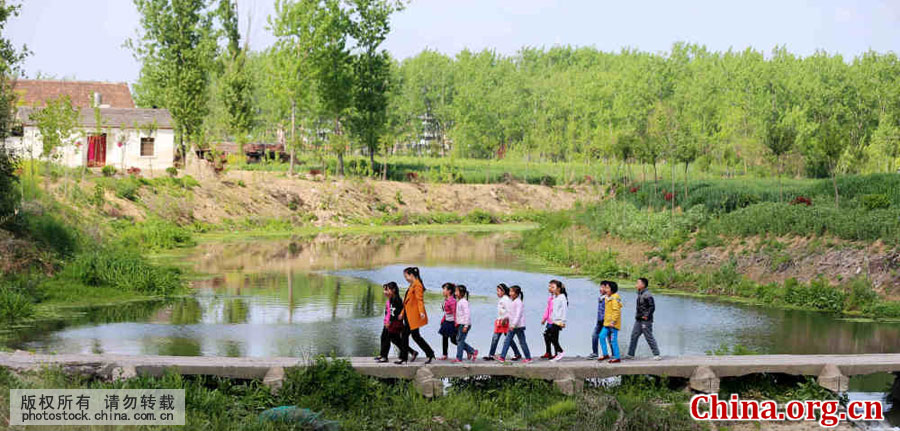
pixel 126 137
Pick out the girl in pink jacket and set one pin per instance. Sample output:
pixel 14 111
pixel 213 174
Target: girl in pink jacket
pixel 547 323
pixel 463 324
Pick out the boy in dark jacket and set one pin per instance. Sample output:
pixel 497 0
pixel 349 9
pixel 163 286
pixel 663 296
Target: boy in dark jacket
pixel 643 324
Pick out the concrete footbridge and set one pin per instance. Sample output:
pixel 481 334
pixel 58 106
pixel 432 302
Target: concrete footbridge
pixel 703 372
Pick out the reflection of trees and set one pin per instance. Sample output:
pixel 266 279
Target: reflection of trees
pixel 365 305
pixel 235 310
pixel 186 312
pixel 230 348
pixel 180 346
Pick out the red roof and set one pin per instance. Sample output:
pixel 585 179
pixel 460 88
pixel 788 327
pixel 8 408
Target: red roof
pixel 112 94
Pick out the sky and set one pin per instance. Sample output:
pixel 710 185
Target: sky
pixel 83 39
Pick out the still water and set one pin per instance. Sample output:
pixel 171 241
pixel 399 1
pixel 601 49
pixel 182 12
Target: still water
pixel 305 296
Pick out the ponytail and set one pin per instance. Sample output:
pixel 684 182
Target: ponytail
pixel 449 286
pixel 462 289
pixel 562 288
pixel 393 288
pixel 504 288
pixel 414 271
pixel 518 291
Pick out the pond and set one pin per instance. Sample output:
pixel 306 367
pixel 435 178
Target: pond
pixel 322 295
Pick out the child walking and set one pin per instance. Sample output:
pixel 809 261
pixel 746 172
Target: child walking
pixel 612 322
pixel 601 311
pixel 546 323
pixel 558 316
pixel 516 324
pixel 392 332
pixel 463 325
pixel 501 325
pixel 448 322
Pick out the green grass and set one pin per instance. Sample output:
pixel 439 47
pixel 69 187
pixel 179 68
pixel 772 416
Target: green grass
pixel 363 403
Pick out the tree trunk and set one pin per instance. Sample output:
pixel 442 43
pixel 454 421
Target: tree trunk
pixel 685 182
pixel 780 181
pixel 837 202
pixel 372 161
pixel 673 191
pixel 293 141
pixel 341 163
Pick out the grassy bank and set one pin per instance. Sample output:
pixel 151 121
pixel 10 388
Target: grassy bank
pixel 59 252
pixel 357 402
pixel 722 213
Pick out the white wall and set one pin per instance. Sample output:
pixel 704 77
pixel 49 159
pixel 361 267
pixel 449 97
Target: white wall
pixel 74 156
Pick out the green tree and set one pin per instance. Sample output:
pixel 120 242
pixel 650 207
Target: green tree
pixel 236 84
pixel 176 46
pixel 369 26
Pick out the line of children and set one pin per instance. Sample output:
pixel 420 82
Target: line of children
pixel 403 319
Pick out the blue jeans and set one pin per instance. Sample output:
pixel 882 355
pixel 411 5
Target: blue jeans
pixel 496 340
pixel 595 338
pixel 613 335
pixel 518 332
pixel 461 344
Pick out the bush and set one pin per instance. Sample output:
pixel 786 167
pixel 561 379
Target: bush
pixel 52 233
pixel 9 185
pixel 783 219
pixel 479 217
pixel 818 294
pixel 155 234
pixel 172 171
pixel 326 383
pixel 124 269
pixel 108 170
pixel 14 305
pixel 875 201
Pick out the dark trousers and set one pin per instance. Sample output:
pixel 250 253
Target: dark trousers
pixel 645 328
pixel 551 339
pixel 417 337
pixel 444 342
pixel 387 338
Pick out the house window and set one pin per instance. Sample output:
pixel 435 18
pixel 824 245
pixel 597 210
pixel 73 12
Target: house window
pixel 146 146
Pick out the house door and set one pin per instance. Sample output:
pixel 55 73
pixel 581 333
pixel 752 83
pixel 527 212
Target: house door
pixel 96 157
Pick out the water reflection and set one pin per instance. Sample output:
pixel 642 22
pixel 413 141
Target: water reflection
pixel 323 295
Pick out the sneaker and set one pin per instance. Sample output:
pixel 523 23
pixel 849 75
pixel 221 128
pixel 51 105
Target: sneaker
pixel 592 356
pixel 443 358
pixel 546 356
pixel 381 360
pixel 614 361
pixel 475 355
pixel 526 361
pixel 400 362
pixel 629 357
pixel 488 358
pixel 657 358
pixel 605 357
pixel 455 361
pixel 499 359
pixel 558 356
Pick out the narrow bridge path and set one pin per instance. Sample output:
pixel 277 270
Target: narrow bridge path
pixel 703 372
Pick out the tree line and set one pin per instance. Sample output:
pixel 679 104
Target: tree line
pixel 328 86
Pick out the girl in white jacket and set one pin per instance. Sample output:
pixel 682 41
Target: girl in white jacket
pixel 516 324
pixel 501 325
pixel 558 316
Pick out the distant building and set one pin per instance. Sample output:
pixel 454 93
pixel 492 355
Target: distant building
pixel 128 136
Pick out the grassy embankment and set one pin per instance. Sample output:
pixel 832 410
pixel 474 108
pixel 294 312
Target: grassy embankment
pixel 718 213
pixel 362 403
pixel 73 246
